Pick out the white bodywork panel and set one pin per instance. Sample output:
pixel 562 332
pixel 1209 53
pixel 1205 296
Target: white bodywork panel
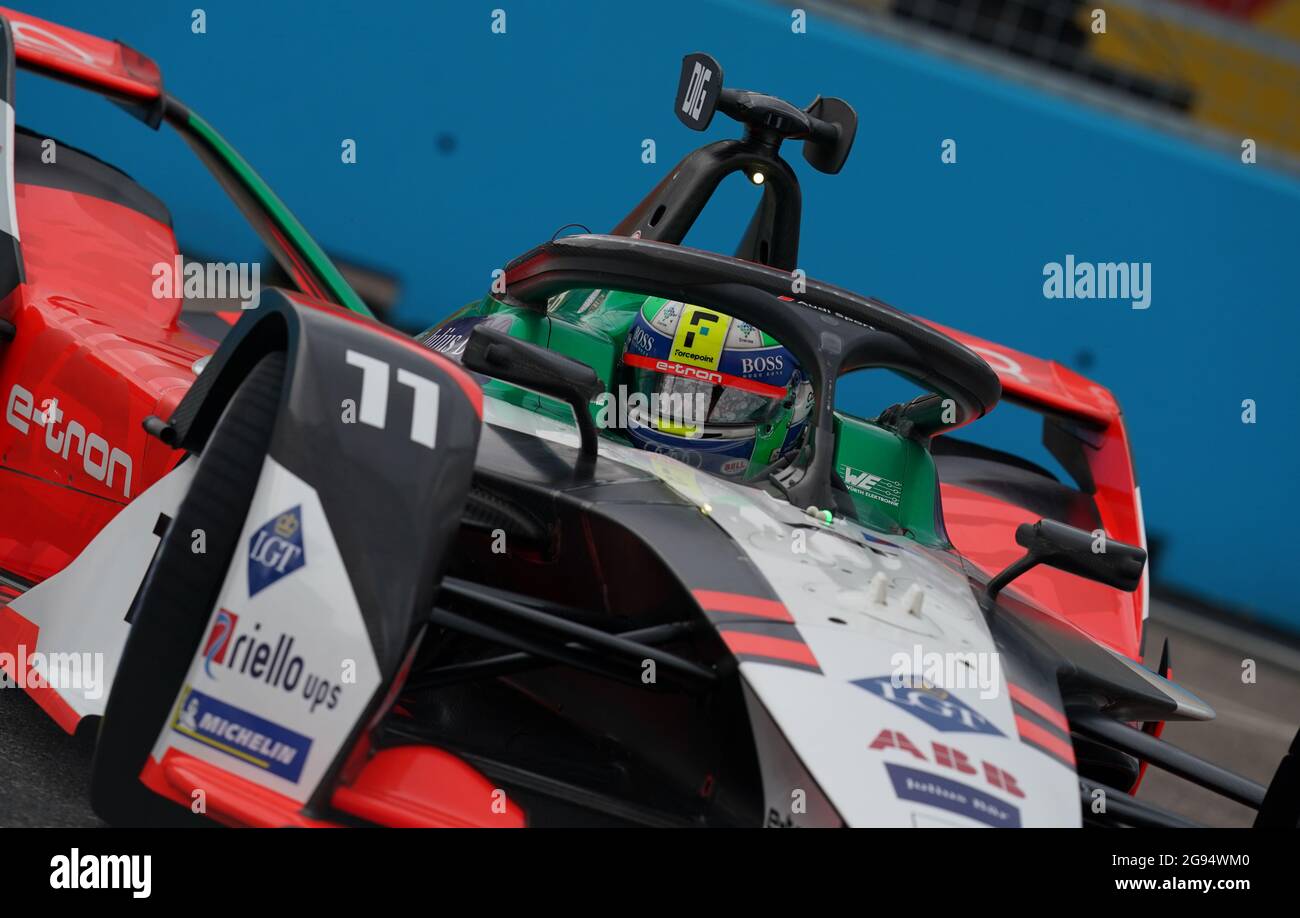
pixel 82 609
pixel 943 755
pixel 285 669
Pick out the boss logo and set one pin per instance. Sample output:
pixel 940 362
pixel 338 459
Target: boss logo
pixel 770 364
pixel 642 342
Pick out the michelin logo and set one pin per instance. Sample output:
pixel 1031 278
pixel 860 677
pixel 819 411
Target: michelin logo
pixel 241 734
pixel 275 550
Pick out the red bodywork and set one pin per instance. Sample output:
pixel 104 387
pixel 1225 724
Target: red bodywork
pixel 983 527
pixel 94 345
pixel 91 335
pixel 109 66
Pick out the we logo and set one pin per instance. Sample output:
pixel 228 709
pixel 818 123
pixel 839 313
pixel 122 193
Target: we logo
pixel 877 487
pixel 859 480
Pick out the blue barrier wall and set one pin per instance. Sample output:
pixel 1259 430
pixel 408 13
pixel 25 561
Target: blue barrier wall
pixel 474 146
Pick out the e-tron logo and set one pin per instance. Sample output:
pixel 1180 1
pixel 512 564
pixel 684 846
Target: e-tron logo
pixel 677 369
pixel 99 458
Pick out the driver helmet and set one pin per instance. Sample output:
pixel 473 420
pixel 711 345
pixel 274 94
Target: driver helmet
pixel 712 391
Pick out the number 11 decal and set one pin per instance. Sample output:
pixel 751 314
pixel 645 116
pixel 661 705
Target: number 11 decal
pixel 373 408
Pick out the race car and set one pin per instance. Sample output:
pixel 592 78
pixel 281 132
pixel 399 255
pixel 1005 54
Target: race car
pixel 600 549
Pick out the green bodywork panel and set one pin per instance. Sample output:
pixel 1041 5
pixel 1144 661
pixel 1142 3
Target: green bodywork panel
pixel 892 480
pixel 890 475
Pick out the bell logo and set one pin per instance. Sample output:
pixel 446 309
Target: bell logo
pixel 275 550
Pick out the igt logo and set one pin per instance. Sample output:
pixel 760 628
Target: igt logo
pixel 275 550
pixel 931 704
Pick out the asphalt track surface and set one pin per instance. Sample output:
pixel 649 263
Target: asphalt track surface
pixel 45 774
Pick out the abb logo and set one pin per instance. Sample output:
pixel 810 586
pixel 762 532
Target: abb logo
pixel 664 366
pixel 949 757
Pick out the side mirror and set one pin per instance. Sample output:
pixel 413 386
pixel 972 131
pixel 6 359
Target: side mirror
pixel 494 353
pixel 1066 548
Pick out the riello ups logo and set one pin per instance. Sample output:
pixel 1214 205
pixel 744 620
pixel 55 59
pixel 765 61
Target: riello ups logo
pixel 231 649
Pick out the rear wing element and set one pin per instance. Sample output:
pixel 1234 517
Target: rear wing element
pixel 1044 383
pixel 1084 430
pixel 127 77
pixel 108 67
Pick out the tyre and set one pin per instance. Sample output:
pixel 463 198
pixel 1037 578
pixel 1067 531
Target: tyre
pixel 172 607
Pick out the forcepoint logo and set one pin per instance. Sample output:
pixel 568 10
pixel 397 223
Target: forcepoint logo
pixel 700 338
